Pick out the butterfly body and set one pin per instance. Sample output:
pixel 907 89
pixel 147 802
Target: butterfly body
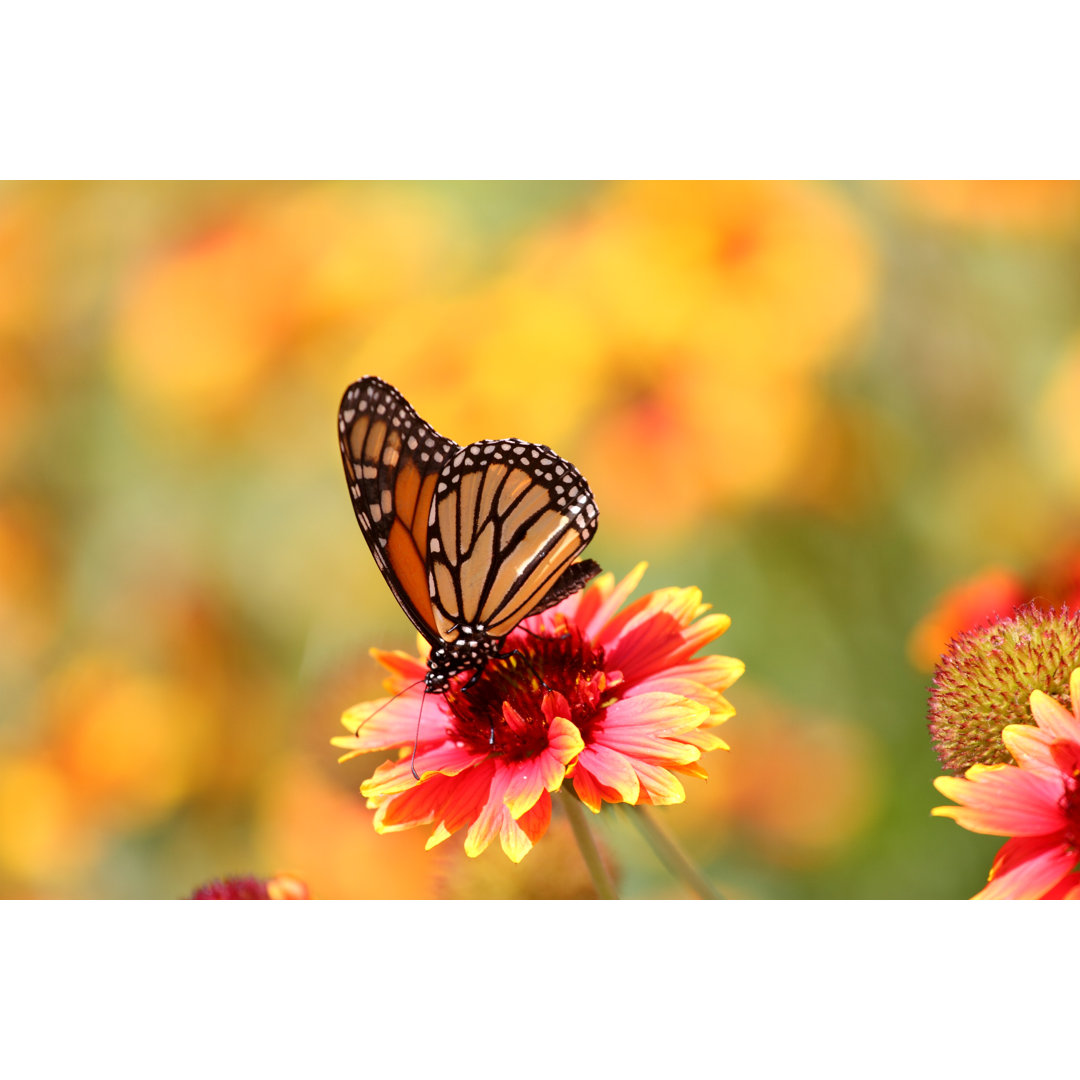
pixel 470 539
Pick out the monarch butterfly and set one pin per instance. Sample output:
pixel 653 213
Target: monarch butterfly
pixel 470 539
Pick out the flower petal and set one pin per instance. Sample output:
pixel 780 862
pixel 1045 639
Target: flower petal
pixel 1002 800
pixel 1053 717
pixel 592 617
pixel 529 779
pixel 610 772
pixel 489 823
pixel 1030 747
pixel 647 727
pixel 1025 869
pixel 392 777
pixel 658 786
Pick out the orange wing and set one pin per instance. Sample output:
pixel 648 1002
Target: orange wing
pixel 392 462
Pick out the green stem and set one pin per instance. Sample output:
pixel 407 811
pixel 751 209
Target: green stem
pixel 670 854
pixel 605 890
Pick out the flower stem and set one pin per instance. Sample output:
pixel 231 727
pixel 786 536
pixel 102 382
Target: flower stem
pixel 670 854
pixel 605 890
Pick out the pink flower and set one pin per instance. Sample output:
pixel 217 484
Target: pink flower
pixel 1036 802
pixel 615 701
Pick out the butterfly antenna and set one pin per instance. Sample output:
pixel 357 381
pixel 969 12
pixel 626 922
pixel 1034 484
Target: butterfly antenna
pixel 419 715
pixel 388 701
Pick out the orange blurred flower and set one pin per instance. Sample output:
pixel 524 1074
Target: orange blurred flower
pixel 718 305
pixel 1056 422
pixel 628 707
pixel 1006 204
pixel 1036 802
pixel 988 596
pixel 503 359
pixel 751 273
pixel 992 595
pixel 24 225
pixel 29 583
pixel 130 745
pixel 305 821
pixel 255 291
pixel 46 838
pixel 803 790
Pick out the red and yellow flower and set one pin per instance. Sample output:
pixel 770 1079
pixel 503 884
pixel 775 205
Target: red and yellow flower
pixel 614 701
pixel 1036 802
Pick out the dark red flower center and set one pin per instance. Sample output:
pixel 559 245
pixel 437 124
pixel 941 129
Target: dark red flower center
pixel 563 664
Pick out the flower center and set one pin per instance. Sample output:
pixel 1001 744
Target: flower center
pixel 560 665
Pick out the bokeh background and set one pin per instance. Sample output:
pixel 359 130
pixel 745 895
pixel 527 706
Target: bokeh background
pixel 850 413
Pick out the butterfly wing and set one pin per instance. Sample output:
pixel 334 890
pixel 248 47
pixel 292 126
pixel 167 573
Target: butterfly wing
pixel 392 462
pixel 508 520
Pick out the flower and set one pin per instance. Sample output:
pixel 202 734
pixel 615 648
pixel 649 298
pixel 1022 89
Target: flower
pixel 245 293
pixel 717 307
pixel 623 706
pixel 1014 205
pixel 993 594
pixel 1036 802
pixel 281 887
pixel 988 596
pixel 984 680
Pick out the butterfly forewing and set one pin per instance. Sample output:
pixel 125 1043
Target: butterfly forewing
pixel 392 462
pixel 507 522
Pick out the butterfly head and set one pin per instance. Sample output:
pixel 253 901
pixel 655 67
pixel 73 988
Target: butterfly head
pixel 470 651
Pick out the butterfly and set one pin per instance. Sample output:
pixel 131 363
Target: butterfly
pixel 470 539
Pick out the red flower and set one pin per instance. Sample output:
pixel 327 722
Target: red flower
pixel 281 887
pixel 614 700
pixel 1036 802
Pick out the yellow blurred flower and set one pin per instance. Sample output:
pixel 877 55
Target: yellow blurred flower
pixel 505 359
pixel 718 305
pixel 23 220
pixel 1057 422
pixel 130 745
pixel 45 838
pixel 1036 205
pixel 748 273
pixel 255 290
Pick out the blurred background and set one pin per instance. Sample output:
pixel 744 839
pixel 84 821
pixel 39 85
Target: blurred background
pixel 849 413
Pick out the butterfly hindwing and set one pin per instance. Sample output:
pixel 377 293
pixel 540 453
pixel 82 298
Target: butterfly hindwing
pixel 392 462
pixel 508 521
